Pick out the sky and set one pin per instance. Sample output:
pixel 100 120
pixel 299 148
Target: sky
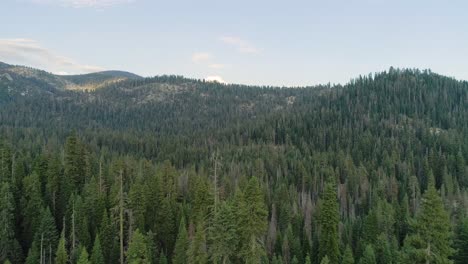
pixel 281 43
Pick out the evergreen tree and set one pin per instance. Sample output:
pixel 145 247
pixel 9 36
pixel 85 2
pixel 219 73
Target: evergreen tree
pixel 369 256
pixel 223 234
pixel 61 256
pixel 9 246
pixel 252 221
pixel 46 234
pixel 325 260
pixel 137 252
pixel 162 258
pixel 84 257
pixel 197 252
pixel 348 257
pixel 431 238
pixel 182 244
pixel 107 236
pixel 461 243
pixel 31 206
pixel 96 254
pixel 33 254
pixel 329 219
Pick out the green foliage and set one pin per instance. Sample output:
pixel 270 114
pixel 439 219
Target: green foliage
pixel 61 256
pixel 162 258
pixel 461 243
pixel 325 260
pixel 96 255
pixel 381 137
pixel 197 252
pixel 251 221
pixel 348 257
pixel 182 244
pixel 137 252
pixel 430 240
pixel 223 237
pixel 84 257
pixel 368 256
pixel 329 220
pixel 9 246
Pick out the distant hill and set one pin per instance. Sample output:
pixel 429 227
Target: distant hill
pixel 380 162
pixel 27 80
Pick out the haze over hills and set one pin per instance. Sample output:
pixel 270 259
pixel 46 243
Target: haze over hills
pixel 180 169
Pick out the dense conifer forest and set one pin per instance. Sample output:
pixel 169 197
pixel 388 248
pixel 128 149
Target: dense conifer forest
pixel 115 168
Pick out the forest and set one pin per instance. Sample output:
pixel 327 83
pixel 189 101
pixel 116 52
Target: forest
pixel 175 170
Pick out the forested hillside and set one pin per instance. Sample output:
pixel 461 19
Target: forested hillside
pixel 115 168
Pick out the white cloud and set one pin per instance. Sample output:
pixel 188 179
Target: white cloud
pixel 206 59
pixel 217 66
pixel 201 57
pixel 29 52
pixel 83 3
pixel 243 46
pixel 215 78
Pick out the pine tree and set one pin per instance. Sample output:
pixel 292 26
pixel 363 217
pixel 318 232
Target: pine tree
pixel 431 238
pixel 96 254
pixel 461 243
pixel 47 234
pixel 84 257
pixel 61 256
pixel 197 252
pixel 9 246
pixel 107 237
pixel 223 234
pixel 325 260
pixel 368 256
pixel 252 221
pixel 33 254
pixel 348 257
pixel 307 260
pixel 31 206
pixel 182 244
pixel 329 219
pixel 137 252
pixel 162 258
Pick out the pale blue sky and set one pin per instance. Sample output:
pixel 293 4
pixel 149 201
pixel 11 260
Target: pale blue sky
pixel 248 42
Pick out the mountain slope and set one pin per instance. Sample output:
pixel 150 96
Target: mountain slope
pixel 246 167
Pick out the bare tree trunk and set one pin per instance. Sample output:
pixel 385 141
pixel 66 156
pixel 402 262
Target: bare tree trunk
pixel 42 245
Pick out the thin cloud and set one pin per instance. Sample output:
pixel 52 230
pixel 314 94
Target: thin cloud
pixel 84 3
pixel 242 45
pixel 29 52
pixel 215 78
pixel 216 66
pixel 206 59
pixel 201 57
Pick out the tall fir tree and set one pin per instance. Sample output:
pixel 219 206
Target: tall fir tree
pixel 348 257
pixel 197 252
pixel 84 257
pixel 368 257
pixel 329 220
pixel 252 221
pixel 96 254
pixel 431 237
pixel 9 246
pixel 223 237
pixel 137 252
pixel 182 244
pixel 61 256
pixel 461 243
